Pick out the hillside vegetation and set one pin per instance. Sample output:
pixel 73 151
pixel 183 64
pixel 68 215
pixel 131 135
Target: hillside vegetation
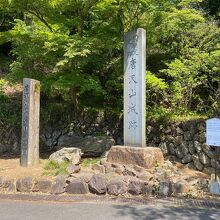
pixel 75 48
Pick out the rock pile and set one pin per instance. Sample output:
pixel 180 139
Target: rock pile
pixel 113 179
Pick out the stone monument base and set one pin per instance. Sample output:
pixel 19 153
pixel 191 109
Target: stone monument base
pixel 146 157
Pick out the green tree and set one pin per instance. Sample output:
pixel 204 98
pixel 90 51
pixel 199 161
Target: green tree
pixel 75 47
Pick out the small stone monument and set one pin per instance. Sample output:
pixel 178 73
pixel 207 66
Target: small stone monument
pixel 135 88
pixel 30 123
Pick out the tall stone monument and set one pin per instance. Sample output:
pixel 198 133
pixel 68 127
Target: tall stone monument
pixel 134 150
pixel 135 88
pixel 30 123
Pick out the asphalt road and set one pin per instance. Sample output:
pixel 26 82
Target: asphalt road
pixel 20 210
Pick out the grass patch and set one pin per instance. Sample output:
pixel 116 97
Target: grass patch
pixel 89 161
pixel 189 117
pixel 164 115
pixel 53 168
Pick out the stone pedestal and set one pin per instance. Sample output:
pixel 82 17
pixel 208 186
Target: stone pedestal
pixel 135 88
pixel 30 123
pixel 147 157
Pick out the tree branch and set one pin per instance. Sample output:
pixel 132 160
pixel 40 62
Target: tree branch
pixel 41 18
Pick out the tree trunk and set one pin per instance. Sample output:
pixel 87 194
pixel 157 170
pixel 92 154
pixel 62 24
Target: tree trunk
pixel 73 93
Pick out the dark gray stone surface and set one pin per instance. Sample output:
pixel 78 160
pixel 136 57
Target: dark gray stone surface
pixel 97 184
pixel 117 186
pixel 24 184
pixel 77 186
pixel 58 187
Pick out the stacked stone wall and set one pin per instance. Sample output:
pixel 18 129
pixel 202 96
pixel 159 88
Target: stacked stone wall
pixel 184 142
pixel 9 139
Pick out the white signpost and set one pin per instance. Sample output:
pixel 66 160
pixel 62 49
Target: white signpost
pixel 213 132
pixel 213 139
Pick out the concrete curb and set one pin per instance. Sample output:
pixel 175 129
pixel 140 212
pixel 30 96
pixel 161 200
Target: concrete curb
pixel 190 203
pixel 177 202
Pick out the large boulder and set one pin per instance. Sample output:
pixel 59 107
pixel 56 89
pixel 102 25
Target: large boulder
pixel 59 186
pixel 181 187
pixel 42 185
pixel 72 155
pixel 90 146
pixel 147 157
pixel 8 185
pixel 117 186
pixel 197 162
pixel 137 187
pixel 97 184
pixel 165 188
pixel 24 184
pixel 77 186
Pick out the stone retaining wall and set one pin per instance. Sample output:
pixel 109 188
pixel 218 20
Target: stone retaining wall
pixel 182 141
pixel 185 142
pixel 95 184
pixel 63 132
pixel 113 179
pixel 9 139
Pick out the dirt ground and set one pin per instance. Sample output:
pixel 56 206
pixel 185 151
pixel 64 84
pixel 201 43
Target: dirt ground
pixel 190 172
pixel 10 168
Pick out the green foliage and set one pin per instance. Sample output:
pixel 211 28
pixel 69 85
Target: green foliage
pixel 10 113
pixel 89 161
pixel 155 90
pixel 212 7
pixel 10 107
pixel 2 83
pixel 195 73
pixel 53 168
pixel 75 48
pixel 4 63
pixel 152 81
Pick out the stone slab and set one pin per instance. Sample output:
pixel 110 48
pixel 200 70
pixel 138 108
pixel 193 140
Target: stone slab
pixel 135 88
pixel 147 157
pixel 30 123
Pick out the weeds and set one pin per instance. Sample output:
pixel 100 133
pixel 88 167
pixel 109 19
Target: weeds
pixel 54 168
pixel 89 161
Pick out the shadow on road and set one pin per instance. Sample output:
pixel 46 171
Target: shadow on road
pixel 166 213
